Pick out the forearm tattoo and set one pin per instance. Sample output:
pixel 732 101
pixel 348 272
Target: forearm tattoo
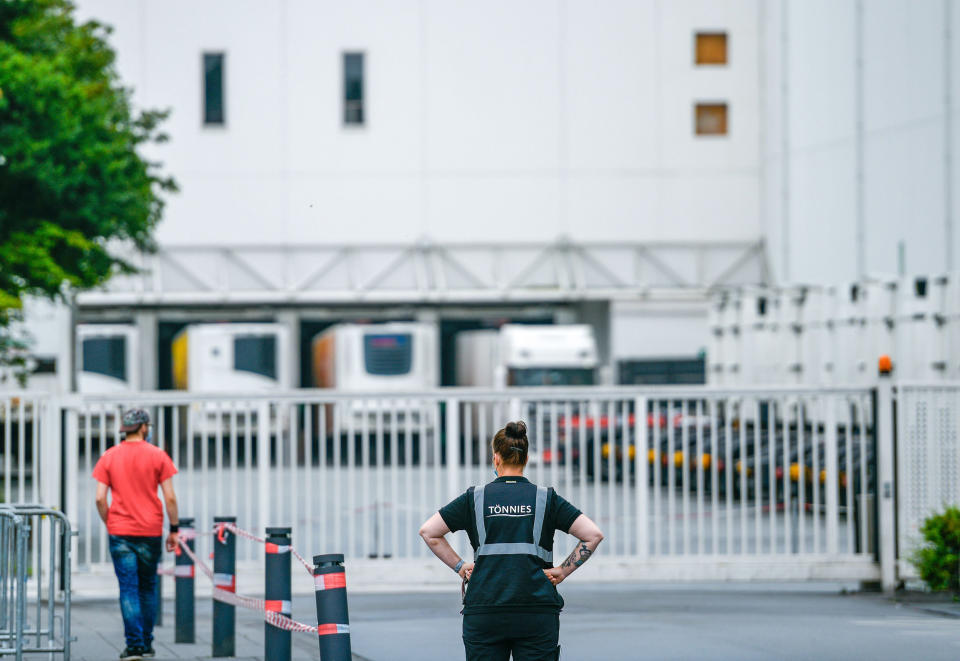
pixel 578 556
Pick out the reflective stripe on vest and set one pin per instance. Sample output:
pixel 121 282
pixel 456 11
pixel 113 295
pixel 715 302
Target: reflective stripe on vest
pixel 511 548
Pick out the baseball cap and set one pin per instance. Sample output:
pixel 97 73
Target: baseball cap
pixel 132 420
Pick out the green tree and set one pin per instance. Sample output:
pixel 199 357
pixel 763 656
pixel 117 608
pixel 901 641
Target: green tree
pixel 938 560
pixel 76 195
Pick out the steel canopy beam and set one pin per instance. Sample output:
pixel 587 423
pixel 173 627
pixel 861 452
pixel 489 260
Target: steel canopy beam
pixel 427 272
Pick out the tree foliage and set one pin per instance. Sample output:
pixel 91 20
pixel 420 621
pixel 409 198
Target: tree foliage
pixel 74 186
pixel 938 560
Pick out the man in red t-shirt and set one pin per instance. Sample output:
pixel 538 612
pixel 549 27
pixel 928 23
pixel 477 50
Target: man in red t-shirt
pixel 131 471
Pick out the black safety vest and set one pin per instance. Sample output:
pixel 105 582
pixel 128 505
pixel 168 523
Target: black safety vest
pixel 519 545
pixel 508 574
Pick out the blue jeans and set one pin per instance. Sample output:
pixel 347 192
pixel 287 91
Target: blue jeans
pixel 135 562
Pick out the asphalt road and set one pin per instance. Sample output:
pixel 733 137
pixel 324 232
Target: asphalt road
pixel 606 622
pixel 694 622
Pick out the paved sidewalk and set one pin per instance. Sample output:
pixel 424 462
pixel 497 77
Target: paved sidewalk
pixel 99 631
pixel 600 622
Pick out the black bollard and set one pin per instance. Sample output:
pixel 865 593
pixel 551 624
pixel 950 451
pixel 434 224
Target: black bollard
pixel 333 619
pixel 224 578
pixel 277 643
pixel 184 629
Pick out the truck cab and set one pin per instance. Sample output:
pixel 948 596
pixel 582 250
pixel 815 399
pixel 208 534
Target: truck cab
pixel 528 356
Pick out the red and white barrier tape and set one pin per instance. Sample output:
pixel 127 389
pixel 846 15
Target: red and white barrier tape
pixel 303 561
pixel 196 561
pixel 271 615
pixel 191 533
pixel 240 532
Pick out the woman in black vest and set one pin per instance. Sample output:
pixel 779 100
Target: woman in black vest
pixel 512 605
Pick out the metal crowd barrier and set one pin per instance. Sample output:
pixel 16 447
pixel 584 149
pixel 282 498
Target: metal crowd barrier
pixel 34 574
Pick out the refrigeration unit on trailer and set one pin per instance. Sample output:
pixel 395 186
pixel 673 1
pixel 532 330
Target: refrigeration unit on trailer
pixel 716 343
pixel 220 358
pixel 248 358
pixel 847 333
pixel 790 306
pixel 817 336
pixel 107 359
pixel 389 357
pixel 919 352
pixel 759 335
pixel 950 325
pixel 393 357
pixel 730 339
pixel 878 309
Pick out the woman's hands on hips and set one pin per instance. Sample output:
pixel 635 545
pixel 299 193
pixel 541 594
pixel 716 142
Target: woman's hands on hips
pixel 555 575
pixel 466 571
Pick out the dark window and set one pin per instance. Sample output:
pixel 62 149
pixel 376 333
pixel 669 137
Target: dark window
pixel 657 372
pixel 711 48
pixel 214 112
pixel 920 287
pixel 388 355
pixel 353 88
pixel 551 376
pixel 45 366
pixel 106 356
pixel 711 119
pixel 256 354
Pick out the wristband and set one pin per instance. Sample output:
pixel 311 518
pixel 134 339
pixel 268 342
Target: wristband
pixel 174 527
pixel 459 565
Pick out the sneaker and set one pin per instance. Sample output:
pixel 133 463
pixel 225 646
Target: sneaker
pixel 131 654
pixel 149 652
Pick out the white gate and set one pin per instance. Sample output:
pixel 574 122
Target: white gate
pixel 687 483
pixel 928 460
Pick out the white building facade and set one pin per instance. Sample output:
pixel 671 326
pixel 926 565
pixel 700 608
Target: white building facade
pixel 860 136
pixel 482 122
pixel 496 125
pixel 554 159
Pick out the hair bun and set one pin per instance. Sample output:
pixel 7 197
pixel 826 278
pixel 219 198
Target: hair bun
pixel 516 430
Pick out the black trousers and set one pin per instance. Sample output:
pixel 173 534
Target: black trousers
pixel 529 636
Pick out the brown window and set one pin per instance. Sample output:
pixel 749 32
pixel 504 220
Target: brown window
pixel 711 48
pixel 711 118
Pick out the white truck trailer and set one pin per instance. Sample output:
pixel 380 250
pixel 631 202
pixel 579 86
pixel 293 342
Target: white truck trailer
pixel 388 357
pixel 220 358
pixel 394 357
pixel 108 358
pixel 528 355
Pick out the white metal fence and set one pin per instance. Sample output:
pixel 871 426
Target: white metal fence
pixel 692 482
pixel 29 452
pixel 928 460
pixel 686 482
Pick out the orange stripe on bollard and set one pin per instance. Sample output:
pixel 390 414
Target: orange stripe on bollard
pixel 332 629
pixel 329 581
pixel 227 582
